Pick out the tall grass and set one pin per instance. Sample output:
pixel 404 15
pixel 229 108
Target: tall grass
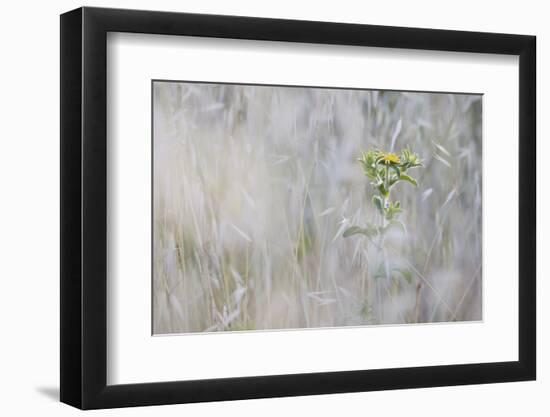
pixel 254 185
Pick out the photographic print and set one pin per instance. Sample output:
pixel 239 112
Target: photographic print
pixel 293 207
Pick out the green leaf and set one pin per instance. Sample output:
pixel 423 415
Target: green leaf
pixel 353 230
pixel 368 231
pixel 396 169
pixel 377 201
pixel 405 177
pixel 390 212
pixel 382 189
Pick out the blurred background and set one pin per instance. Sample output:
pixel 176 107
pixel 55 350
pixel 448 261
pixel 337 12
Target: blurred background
pixel 254 186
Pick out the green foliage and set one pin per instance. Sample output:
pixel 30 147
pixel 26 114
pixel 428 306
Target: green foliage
pixel 385 170
pixel 404 177
pixel 378 203
pixel 355 230
pixel 392 209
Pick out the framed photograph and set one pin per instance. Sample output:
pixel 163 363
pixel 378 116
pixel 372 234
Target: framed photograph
pixel 256 208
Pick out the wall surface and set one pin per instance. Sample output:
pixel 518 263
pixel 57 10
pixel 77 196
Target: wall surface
pixel 29 226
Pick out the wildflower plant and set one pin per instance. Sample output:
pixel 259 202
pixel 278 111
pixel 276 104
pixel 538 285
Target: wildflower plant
pixel 385 170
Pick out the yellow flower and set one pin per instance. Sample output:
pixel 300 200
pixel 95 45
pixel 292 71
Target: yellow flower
pixel 390 159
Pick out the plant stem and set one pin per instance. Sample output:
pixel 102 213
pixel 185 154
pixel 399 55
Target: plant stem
pixel 386 199
pixel 387 182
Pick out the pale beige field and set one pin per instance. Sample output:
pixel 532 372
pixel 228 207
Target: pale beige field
pixel 254 186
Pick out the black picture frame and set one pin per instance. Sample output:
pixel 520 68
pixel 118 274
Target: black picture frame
pixel 84 207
